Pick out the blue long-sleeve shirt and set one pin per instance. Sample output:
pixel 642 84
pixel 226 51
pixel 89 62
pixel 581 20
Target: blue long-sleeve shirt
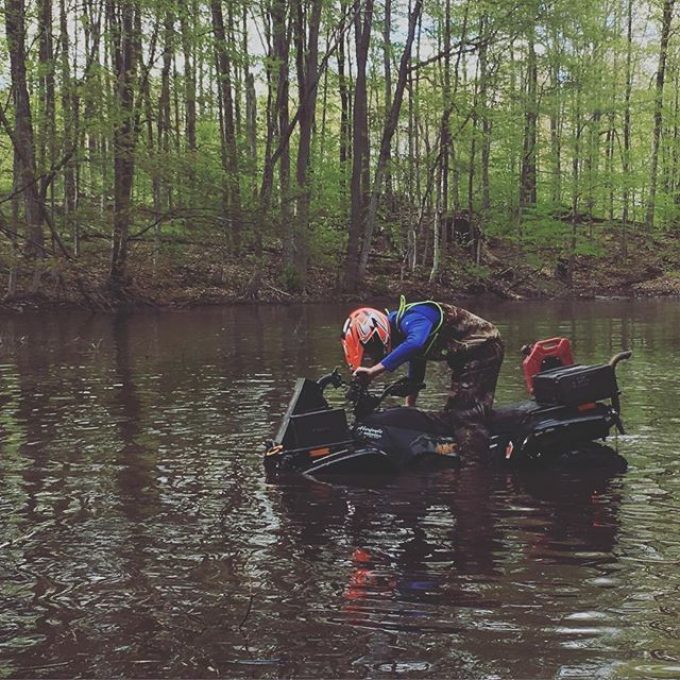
pixel 414 327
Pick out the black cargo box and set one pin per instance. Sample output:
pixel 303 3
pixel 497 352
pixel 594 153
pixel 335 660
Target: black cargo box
pixel 574 385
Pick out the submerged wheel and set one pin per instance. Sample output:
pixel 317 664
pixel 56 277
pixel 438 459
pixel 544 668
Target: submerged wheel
pixel 591 456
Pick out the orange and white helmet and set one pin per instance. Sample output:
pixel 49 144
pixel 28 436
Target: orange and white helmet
pixel 365 337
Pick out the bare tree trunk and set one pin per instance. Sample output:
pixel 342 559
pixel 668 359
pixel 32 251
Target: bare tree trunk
pixel 388 133
pixel 454 201
pixel 232 168
pixel 610 148
pixel 68 107
pixel 626 131
pixel 439 231
pixel 93 140
pixel 153 150
pixel 360 147
pixel 106 77
pixel 344 112
pixel 611 135
pixel 251 99
pixel 189 74
pixel 307 54
pixel 24 148
pixel 164 119
pixel 224 183
pixel 47 120
pixel 235 72
pixel 122 19
pixel 280 38
pixel 484 115
pixel 658 111
pixel 13 230
pixel 528 179
pixel 324 112
pixel 387 63
pixel 556 132
pixel 675 180
pixel 576 178
pixel 473 146
pixel 264 196
pixel 411 254
pixel 592 161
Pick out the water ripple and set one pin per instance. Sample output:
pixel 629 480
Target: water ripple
pixel 140 537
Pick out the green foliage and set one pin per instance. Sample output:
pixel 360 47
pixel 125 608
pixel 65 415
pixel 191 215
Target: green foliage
pixel 477 272
pixel 581 51
pixel 291 279
pixel 589 247
pixel 328 246
pixel 541 228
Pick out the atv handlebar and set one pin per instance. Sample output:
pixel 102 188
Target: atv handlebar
pixel 334 379
pixel 400 388
pixel 365 402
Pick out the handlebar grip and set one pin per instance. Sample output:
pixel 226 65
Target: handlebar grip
pixel 355 391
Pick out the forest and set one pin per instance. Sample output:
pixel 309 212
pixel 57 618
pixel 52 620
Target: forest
pixel 224 149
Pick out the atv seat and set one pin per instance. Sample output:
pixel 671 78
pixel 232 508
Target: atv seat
pixel 410 418
pixel 506 418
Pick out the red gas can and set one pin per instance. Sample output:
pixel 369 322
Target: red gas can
pixel 544 355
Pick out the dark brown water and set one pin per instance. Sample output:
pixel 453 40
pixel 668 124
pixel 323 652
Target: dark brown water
pixel 139 538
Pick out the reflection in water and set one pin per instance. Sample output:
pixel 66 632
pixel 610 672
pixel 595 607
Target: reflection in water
pixel 455 554
pixel 136 463
pixel 140 538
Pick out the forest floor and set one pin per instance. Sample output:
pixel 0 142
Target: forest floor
pixel 506 270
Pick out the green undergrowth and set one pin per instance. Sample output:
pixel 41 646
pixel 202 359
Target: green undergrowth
pixel 507 266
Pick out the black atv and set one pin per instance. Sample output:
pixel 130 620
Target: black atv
pixel 574 409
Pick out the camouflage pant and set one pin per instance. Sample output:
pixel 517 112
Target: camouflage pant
pixel 473 384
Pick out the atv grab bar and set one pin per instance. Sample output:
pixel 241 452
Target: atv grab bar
pixel 616 401
pixel 621 356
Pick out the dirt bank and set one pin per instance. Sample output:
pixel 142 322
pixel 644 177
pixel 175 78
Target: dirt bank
pixel 506 270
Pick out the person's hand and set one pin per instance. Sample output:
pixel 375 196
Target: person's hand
pixel 411 400
pixel 366 373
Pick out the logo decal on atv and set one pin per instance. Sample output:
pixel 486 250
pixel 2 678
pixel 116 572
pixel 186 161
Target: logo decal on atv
pixel 369 432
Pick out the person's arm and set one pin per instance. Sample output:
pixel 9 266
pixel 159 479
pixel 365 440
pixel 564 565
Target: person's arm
pixel 416 329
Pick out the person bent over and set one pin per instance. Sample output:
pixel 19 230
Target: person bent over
pixel 415 333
